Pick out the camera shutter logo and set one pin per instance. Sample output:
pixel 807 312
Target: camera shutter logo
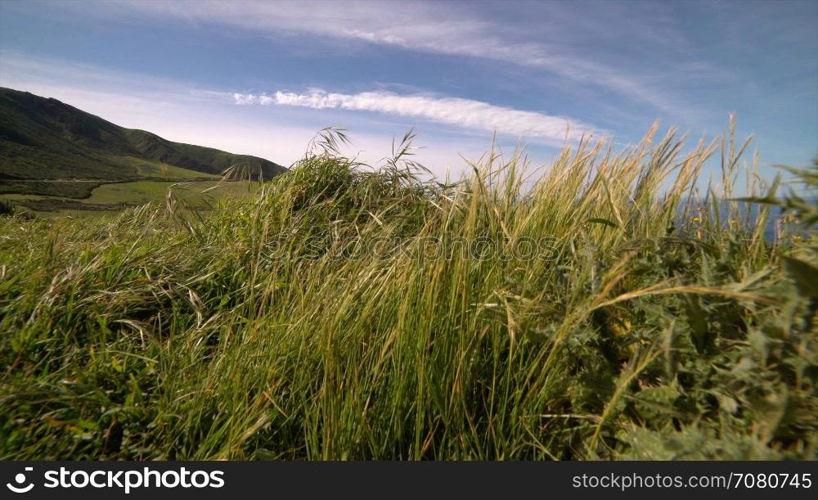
pixel 20 478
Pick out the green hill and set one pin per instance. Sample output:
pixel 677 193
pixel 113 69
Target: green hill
pixel 43 139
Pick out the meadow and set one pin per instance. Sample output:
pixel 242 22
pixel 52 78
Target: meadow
pixel 602 309
pixel 105 198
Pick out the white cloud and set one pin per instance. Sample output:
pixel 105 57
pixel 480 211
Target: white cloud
pixel 448 110
pixel 431 27
pixel 178 111
pixel 244 98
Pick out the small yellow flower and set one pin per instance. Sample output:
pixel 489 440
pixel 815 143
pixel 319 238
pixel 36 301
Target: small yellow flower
pixel 797 238
pixel 697 220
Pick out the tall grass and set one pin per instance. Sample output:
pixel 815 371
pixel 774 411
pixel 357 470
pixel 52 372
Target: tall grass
pixel 597 311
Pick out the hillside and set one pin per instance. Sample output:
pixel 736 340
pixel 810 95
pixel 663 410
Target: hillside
pixel 43 139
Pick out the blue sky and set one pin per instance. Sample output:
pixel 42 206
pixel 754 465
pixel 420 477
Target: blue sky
pixel 263 77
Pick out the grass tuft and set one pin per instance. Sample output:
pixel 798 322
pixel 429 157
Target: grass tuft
pixel 605 310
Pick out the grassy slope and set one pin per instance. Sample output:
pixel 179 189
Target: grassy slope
pixel 82 189
pixel 46 139
pixel 255 332
pixel 197 193
pixel 120 195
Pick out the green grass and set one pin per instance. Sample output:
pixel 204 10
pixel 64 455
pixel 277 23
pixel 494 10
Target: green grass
pixel 82 189
pixel 320 319
pixel 70 189
pixel 196 193
pixel 120 195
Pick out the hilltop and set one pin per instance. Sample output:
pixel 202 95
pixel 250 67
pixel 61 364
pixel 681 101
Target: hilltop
pixel 43 139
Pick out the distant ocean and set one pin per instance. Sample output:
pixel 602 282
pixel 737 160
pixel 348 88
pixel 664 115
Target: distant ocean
pixel 748 214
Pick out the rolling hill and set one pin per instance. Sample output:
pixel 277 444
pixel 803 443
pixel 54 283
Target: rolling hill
pixel 51 148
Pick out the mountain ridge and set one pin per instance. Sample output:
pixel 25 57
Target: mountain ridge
pixel 43 138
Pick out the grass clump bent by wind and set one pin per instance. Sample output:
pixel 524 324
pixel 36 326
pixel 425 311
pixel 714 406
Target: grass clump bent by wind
pixel 603 310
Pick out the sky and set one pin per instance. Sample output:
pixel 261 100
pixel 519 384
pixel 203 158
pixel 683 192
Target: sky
pixel 262 78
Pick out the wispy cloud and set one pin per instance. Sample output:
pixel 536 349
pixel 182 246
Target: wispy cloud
pixel 438 28
pixel 447 110
pixel 181 112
